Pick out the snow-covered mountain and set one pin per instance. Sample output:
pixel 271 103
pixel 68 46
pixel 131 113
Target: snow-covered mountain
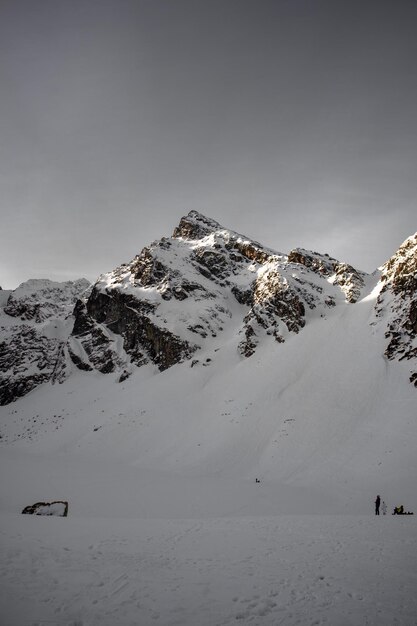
pixel 184 296
pixel 185 293
pixel 209 350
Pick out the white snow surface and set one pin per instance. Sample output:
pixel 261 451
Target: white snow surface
pixel 167 523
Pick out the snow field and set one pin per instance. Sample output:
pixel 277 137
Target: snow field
pixel 304 570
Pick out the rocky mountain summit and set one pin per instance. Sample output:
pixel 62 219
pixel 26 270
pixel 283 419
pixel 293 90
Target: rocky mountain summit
pixel 204 283
pixel 185 297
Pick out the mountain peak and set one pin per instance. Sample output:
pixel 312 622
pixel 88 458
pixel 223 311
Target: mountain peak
pixel 185 297
pixel 195 225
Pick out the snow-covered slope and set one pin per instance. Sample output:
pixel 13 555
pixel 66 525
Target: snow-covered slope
pixel 211 355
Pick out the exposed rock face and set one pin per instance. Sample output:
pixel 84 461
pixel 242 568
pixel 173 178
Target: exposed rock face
pixel 111 312
pixel 273 303
pixel 34 329
pixel 39 300
pixel 322 264
pixel 350 281
pixel 398 300
pixel 25 350
pixel 195 226
pixel 131 318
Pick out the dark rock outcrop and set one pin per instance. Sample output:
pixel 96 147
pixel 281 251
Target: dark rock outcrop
pixel 350 280
pixel 34 331
pixel 39 300
pixel 274 305
pixel 112 313
pixel 398 301
pixel 57 508
pixel 27 359
pixel 195 226
pixel 322 264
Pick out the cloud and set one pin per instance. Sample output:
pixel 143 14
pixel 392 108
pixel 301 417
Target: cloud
pixel 293 122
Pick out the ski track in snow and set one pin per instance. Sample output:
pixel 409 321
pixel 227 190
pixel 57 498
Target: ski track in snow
pixel 290 570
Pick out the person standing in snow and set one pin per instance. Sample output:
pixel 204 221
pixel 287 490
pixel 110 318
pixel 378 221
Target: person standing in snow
pixel 384 508
pixel 377 503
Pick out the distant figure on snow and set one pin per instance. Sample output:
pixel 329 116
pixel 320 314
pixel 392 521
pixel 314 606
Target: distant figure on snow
pixel 384 508
pixel 377 503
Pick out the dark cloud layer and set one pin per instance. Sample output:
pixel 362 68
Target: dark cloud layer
pixel 290 121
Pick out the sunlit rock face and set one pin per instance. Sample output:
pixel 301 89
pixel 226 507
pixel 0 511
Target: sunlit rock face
pixel 350 280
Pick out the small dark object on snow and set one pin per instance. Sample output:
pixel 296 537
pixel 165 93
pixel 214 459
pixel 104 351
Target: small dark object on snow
pixel 399 510
pixel 377 503
pixel 58 508
pixel 257 480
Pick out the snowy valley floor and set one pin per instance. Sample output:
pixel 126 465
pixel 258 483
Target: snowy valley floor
pixel 301 569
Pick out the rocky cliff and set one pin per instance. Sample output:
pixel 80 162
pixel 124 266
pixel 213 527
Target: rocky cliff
pixel 397 304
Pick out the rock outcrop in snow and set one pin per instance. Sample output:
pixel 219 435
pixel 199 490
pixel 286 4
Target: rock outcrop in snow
pixel 57 508
pixel 350 281
pixel 398 301
pixel 41 299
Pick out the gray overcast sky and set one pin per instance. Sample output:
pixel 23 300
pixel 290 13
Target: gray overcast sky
pixel 291 121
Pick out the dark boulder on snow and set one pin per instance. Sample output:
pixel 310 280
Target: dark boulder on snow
pixel 57 508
